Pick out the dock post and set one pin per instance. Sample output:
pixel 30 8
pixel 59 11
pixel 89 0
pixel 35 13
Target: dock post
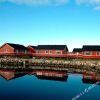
pixel 24 63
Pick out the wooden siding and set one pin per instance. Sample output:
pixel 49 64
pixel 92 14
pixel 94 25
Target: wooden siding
pixel 50 52
pixel 31 50
pixel 6 49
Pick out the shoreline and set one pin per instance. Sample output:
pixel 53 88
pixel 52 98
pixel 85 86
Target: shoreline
pixel 41 61
pixel 50 64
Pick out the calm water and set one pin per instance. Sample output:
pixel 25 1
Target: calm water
pixel 29 87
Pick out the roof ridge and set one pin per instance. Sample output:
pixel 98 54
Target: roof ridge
pixel 14 44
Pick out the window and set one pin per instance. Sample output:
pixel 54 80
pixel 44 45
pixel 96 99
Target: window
pixel 5 50
pixel 46 51
pixel 77 53
pixel 87 53
pixel 58 52
pixel 38 51
pixel 50 51
pixel 98 53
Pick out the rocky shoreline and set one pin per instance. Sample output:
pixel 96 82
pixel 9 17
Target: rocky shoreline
pixel 55 64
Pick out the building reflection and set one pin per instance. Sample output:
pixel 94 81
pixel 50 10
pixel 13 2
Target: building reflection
pixel 47 75
pixel 11 74
pixel 87 78
pixel 52 75
pixel 90 79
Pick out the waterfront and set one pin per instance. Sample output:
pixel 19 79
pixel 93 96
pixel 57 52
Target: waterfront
pixel 21 86
pixel 69 65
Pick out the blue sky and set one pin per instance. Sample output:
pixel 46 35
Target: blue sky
pixel 32 22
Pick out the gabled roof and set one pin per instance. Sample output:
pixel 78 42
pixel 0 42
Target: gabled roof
pixel 17 46
pixel 52 47
pixel 35 47
pixel 77 50
pixel 91 48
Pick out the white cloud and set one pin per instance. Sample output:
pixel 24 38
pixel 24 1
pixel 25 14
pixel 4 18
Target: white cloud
pixel 37 2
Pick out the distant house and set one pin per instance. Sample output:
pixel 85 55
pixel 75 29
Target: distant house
pixel 91 51
pixel 52 49
pixel 77 51
pixel 10 48
pixel 49 50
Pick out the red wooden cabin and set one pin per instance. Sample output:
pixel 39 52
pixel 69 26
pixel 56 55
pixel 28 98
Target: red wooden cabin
pixel 91 51
pixel 49 50
pixel 13 49
pixel 77 53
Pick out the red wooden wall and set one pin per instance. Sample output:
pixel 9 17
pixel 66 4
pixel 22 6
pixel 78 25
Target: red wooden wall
pixel 6 49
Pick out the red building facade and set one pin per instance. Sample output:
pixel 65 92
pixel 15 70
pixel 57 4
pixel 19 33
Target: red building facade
pixel 86 52
pixel 77 51
pixel 11 49
pixel 31 49
pixel 49 50
pixel 91 51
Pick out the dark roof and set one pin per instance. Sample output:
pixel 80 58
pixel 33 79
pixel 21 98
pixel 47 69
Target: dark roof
pixel 35 47
pixel 51 47
pixel 77 50
pixel 91 48
pixel 17 46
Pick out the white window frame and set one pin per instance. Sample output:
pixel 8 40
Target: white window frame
pixel 58 52
pixel 85 53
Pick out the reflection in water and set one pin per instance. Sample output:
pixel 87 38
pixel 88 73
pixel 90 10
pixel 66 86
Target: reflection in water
pixel 31 88
pixel 11 74
pixel 51 75
pixel 7 74
pixel 48 75
pixel 90 78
